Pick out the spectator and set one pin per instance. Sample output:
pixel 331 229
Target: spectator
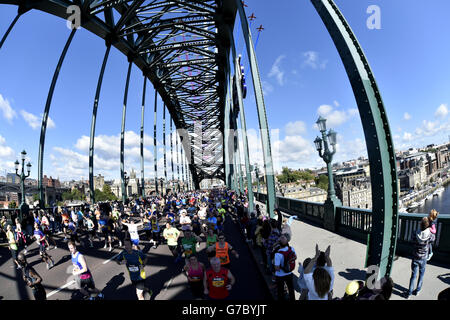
pixel 423 238
pixel 320 281
pixel 283 273
pixel 270 242
pixel 432 218
pixel 265 233
pixel 384 292
pixel 301 279
pixel 251 228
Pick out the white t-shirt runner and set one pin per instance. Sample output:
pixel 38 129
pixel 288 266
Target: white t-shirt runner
pixel 132 229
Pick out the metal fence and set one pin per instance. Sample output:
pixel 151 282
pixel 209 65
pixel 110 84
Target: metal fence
pixel 356 224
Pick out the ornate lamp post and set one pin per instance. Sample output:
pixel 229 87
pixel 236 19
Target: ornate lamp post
pixel 257 176
pixel 24 209
pixel 162 183
pixel 125 182
pixel 327 155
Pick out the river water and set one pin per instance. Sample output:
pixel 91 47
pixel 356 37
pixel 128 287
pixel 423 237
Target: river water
pixel 441 203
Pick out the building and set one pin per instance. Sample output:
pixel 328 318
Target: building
pixel 355 193
pixel 349 174
pixel 210 183
pixel 13 196
pixel 310 194
pixel 99 182
pixel 12 178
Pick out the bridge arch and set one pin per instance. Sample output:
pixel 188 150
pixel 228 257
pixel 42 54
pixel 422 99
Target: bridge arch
pixel 199 88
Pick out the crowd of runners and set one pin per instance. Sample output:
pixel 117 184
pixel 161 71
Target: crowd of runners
pixel 180 221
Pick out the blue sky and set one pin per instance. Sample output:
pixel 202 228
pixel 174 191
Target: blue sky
pixel 300 69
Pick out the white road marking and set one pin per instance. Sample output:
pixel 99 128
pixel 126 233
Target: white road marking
pixel 63 287
pixel 105 262
pixel 168 285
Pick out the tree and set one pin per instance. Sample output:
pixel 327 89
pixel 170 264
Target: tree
pixel 35 197
pixel 288 175
pixel 108 193
pixel 67 196
pixel 12 205
pixel 322 182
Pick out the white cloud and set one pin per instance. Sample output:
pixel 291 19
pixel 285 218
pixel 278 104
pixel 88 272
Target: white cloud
pixel 349 149
pixel 406 116
pixel 335 117
pixel 5 151
pixel 73 164
pixel 8 113
pixel 312 60
pixel 276 72
pixel 324 110
pixel 295 128
pixel 441 111
pixel 7 156
pixel 35 122
pixel 429 128
pixel 267 88
pixel 407 136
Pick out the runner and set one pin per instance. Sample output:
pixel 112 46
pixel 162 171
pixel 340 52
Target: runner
pixel 135 262
pixel 71 230
pixel 45 225
pixel 12 244
pixel 155 231
pixel 194 271
pixel 84 278
pixel 105 229
pixel 65 220
pixel 90 230
pixel 218 281
pixel 133 231
pixel 32 278
pixel 171 234
pixel 40 240
pixel 20 237
pixel 212 221
pixel 189 243
pixel 222 249
pixel 185 221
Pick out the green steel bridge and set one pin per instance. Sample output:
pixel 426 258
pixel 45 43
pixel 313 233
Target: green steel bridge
pixel 201 84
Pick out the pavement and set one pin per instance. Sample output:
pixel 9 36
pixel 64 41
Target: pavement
pixel 348 259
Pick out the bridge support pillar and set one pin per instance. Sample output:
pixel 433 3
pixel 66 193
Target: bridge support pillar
pixel 155 157
pixel 263 125
pixel 142 138
pixel 45 118
pixel 122 134
pixel 380 148
pixel 93 123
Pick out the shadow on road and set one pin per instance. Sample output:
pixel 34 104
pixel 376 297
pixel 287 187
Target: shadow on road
pixel 444 278
pixel 353 274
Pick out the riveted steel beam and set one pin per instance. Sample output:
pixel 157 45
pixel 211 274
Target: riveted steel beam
pixel 122 135
pixel 45 118
pixel 380 148
pixel 93 124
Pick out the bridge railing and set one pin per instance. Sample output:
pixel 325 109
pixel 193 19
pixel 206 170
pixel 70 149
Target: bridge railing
pixel 356 224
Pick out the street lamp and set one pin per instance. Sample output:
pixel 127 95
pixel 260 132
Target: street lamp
pixel 24 209
pixel 327 155
pixel 162 190
pixel 257 176
pixel 125 182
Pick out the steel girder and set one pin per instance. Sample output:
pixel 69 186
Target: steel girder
pixel 380 148
pixel 180 46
